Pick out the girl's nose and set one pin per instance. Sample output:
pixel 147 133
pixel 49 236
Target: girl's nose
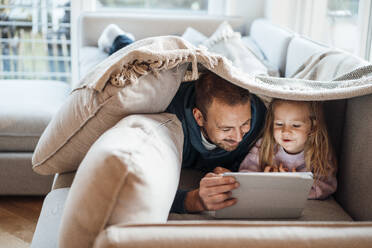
pixel 285 129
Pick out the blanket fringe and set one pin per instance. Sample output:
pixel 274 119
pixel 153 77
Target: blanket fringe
pixel 131 72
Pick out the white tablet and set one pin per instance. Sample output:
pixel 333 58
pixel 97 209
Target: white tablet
pixel 268 195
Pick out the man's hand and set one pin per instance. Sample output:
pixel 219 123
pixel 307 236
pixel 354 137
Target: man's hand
pixel 214 193
pixel 220 170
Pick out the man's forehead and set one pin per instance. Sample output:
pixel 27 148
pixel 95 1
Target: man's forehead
pixel 229 115
pixel 218 104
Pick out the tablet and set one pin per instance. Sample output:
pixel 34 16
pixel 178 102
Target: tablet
pixel 271 195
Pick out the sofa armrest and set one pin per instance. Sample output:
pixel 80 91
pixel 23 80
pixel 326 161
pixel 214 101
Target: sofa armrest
pixel 238 234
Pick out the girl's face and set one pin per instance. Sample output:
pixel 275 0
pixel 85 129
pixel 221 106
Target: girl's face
pixel 292 125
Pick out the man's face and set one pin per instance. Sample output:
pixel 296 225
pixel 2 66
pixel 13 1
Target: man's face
pixel 225 125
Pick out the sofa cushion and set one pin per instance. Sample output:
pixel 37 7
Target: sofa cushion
pixel 26 107
pixel 273 41
pixel 129 175
pixel 315 210
pixel 89 112
pixel 18 178
pixel 228 43
pixel 301 49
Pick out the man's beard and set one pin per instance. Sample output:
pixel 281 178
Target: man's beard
pixel 227 145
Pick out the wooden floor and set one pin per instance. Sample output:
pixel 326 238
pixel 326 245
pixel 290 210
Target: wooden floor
pixel 18 218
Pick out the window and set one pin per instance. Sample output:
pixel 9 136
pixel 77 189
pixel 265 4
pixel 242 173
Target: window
pixel 341 29
pixel 343 24
pixel 35 39
pixel 193 5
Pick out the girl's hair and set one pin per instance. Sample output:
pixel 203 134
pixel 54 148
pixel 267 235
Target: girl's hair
pixel 318 149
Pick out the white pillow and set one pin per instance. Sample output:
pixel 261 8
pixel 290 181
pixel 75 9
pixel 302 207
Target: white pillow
pixel 129 175
pixel 226 42
pixel 252 45
pixel 193 36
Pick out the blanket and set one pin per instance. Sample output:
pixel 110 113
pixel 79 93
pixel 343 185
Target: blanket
pixel 318 79
pixel 144 77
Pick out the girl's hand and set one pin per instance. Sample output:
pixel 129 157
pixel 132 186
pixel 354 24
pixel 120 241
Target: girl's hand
pixel 285 169
pixel 270 168
pixel 282 168
pixel 220 170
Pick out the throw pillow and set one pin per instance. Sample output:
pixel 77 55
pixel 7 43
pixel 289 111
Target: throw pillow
pixel 129 175
pixel 193 36
pixel 88 113
pixel 226 42
pixel 272 70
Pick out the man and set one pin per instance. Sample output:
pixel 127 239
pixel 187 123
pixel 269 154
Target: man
pixel 221 122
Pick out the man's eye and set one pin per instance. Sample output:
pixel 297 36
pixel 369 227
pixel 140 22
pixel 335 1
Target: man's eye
pixel 226 129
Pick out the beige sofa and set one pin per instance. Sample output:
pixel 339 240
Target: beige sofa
pixel 26 107
pixel 344 220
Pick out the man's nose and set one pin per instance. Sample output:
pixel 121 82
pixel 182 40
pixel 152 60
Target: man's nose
pixel 239 135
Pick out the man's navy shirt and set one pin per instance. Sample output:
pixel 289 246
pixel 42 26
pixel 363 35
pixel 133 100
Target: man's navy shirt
pixel 195 155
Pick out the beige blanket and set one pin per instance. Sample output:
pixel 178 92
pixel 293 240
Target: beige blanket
pixel 322 77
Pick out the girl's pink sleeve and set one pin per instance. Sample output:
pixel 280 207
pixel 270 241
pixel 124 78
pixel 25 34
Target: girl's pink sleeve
pixel 251 161
pixel 325 185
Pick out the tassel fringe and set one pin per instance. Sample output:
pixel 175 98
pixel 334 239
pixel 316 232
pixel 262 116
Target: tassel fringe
pixel 131 72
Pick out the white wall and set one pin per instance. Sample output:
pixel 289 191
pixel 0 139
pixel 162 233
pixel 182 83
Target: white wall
pixel 249 9
pixel 279 12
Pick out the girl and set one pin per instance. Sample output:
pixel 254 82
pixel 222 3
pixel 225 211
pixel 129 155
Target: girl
pixel 295 139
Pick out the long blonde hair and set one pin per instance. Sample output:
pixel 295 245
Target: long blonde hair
pixel 318 150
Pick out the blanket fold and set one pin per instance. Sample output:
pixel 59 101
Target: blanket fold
pixel 320 78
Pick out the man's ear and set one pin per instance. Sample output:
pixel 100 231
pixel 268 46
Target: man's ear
pixel 198 116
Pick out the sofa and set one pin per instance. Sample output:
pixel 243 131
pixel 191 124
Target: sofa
pixel 26 107
pixel 343 220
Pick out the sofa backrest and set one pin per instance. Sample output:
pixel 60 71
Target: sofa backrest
pixel 273 41
pixel 299 50
pixel 354 191
pixel 91 24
